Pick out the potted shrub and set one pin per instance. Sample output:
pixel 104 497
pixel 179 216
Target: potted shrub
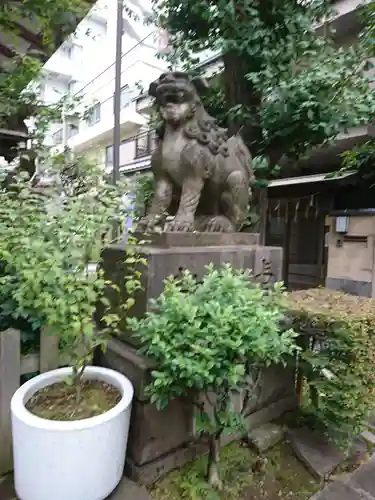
pixel 69 425
pixel 213 339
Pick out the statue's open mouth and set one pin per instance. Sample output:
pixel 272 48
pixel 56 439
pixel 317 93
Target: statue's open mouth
pixel 173 93
pixel 173 98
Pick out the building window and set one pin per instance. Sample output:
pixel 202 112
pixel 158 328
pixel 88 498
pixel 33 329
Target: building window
pixel 58 137
pixel 123 152
pixel 109 156
pixel 141 145
pixel 94 115
pixel 145 144
pixel 125 97
pixel 153 140
pixel 71 87
pixel 72 130
pixel 67 50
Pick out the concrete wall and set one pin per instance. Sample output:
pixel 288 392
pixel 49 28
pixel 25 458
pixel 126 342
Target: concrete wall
pixel 351 259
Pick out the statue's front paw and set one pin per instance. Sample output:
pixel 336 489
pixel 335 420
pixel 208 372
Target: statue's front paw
pixel 219 224
pixel 148 224
pixel 181 224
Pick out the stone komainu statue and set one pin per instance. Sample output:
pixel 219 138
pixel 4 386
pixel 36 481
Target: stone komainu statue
pixel 196 163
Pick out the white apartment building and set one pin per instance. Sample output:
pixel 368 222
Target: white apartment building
pixel 85 68
pixel 85 65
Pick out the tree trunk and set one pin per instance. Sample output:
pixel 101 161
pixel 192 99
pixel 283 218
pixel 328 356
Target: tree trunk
pixel 239 91
pixel 213 463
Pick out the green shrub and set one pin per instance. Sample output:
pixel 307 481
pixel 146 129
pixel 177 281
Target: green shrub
pixel 28 325
pixel 48 238
pixel 338 359
pixel 213 336
pixel 144 192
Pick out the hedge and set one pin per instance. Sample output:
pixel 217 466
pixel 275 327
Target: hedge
pixel 337 360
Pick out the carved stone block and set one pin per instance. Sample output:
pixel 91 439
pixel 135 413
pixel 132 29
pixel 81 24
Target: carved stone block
pixel 195 252
pixel 152 433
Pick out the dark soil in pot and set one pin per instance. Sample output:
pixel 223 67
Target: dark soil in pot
pixel 58 401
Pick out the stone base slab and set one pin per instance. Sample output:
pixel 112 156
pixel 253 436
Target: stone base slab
pixel 150 472
pixel 165 261
pixel 319 455
pixel 353 287
pixel 156 433
pixel 266 437
pixel 197 239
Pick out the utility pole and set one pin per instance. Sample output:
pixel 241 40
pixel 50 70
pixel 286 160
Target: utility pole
pixel 117 94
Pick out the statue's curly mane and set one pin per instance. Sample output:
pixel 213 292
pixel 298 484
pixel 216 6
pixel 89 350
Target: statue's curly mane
pixel 204 129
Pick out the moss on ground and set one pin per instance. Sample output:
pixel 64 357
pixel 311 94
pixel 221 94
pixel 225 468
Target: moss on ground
pixel 279 475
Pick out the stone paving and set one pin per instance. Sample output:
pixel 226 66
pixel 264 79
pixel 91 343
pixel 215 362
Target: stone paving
pixel 127 490
pixel 357 486
pixel 317 454
pixel 320 457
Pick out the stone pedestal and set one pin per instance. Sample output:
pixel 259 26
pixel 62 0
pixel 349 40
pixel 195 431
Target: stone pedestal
pixel 168 254
pixel 160 441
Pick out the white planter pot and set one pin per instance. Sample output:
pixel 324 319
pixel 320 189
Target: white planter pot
pixel 79 460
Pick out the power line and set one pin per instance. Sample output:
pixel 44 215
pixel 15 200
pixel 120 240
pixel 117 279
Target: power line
pixel 113 64
pixel 106 99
